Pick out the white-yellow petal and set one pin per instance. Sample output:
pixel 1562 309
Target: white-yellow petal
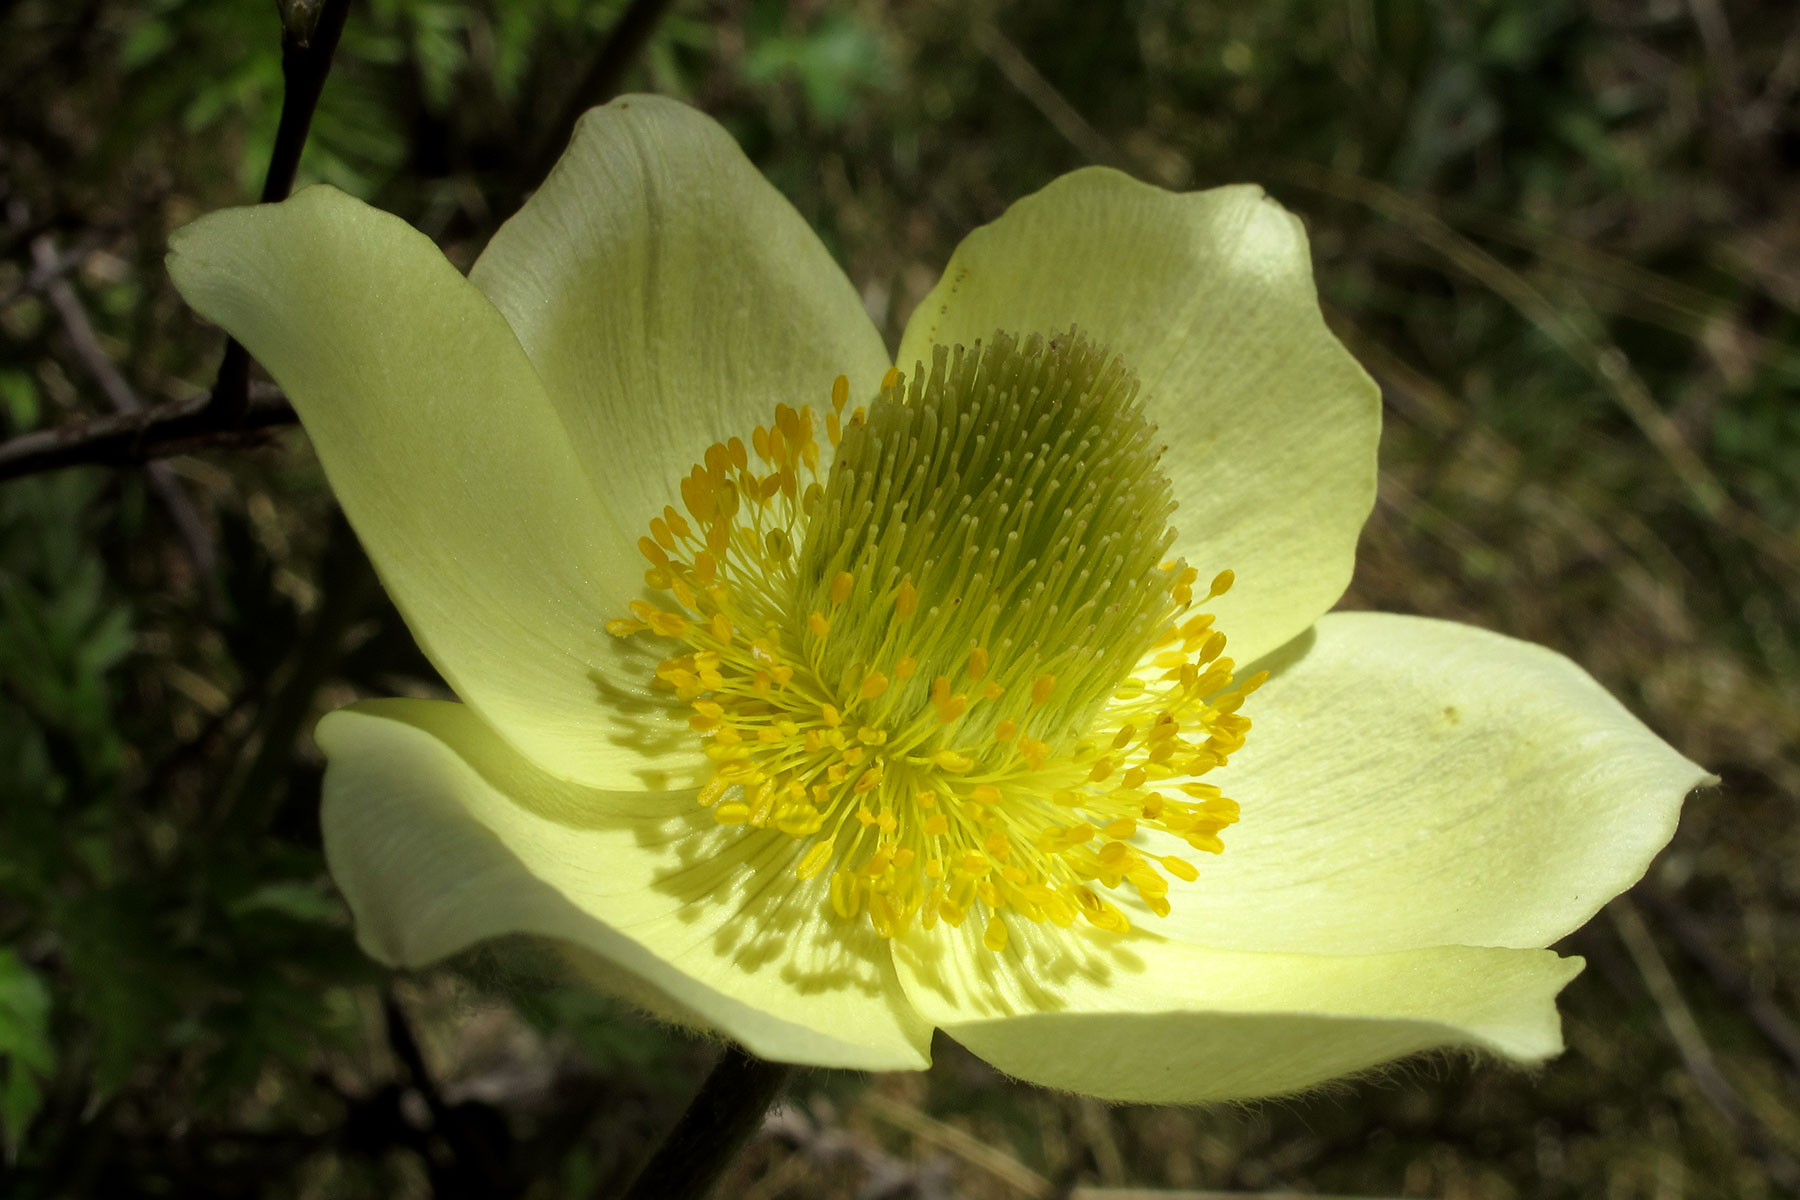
pixel 1271 426
pixel 453 466
pixel 671 298
pixel 1146 1019
pixel 1410 782
pixel 440 836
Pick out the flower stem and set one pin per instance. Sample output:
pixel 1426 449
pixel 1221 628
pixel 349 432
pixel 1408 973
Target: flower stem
pixel 724 1113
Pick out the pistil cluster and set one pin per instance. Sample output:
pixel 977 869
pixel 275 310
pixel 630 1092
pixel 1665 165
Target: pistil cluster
pixel 956 662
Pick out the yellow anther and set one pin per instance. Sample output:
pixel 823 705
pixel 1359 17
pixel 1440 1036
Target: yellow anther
pixel 1181 868
pixel 1221 583
pixel 891 380
pixel 796 719
pixel 846 894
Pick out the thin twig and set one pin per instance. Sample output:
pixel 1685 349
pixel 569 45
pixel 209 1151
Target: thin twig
pixel 1030 83
pixel 233 409
pixel 624 42
pixel 1696 1054
pixel 1604 361
pixel 42 273
pixel 309 38
pixel 1697 943
pixel 119 393
pixel 221 418
pixel 128 439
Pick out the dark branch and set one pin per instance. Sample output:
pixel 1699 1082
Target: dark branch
pixel 127 439
pixel 237 412
pixel 309 38
pixel 728 1109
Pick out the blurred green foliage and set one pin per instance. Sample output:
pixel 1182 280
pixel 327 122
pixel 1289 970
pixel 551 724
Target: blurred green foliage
pixel 1565 236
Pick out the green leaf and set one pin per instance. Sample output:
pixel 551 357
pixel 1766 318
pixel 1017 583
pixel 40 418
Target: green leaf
pixel 26 1054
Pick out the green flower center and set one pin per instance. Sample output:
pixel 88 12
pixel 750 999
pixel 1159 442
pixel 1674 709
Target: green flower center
pixel 959 666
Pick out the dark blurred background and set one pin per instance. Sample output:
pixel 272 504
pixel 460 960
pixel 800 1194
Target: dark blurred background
pixel 1563 234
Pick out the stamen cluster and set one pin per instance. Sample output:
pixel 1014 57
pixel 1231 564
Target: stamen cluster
pixel 956 664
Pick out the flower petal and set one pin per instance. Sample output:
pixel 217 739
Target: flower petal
pixel 1146 1019
pixel 670 298
pixel 453 467
pixel 1270 423
pixel 440 836
pixel 1410 782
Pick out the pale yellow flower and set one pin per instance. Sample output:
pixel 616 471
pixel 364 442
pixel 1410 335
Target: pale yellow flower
pixel 825 769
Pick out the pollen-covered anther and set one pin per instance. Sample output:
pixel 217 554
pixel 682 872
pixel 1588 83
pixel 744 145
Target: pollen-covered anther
pixel 953 662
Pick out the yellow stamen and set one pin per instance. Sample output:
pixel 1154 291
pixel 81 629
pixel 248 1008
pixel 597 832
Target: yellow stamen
pixel 831 717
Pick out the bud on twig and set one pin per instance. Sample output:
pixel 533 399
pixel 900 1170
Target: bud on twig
pixel 298 20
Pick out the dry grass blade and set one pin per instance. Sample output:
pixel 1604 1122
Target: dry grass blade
pixel 976 1153
pixel 1696 1054
pixel 1606 362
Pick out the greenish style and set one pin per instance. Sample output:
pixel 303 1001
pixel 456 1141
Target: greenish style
pixel 1424 806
